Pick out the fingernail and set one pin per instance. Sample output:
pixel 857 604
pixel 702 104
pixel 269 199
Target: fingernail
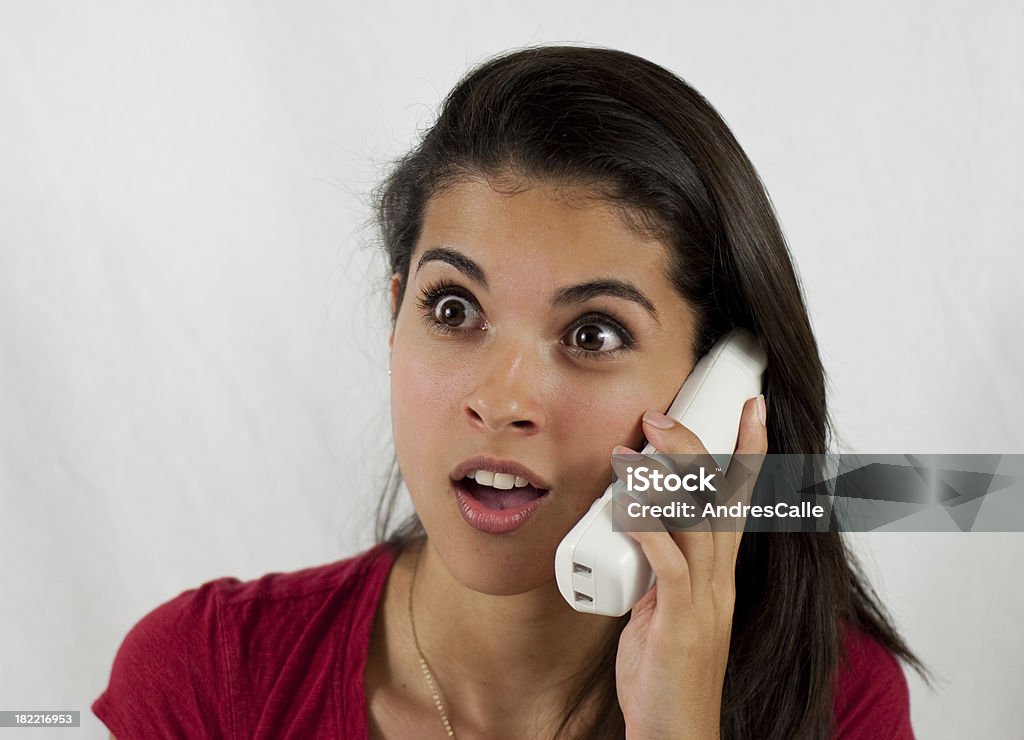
pixel 623 450
pixel 658 421
pixel 762 411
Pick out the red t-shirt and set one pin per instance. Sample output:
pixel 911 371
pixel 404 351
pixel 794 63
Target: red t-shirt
pixel 284 656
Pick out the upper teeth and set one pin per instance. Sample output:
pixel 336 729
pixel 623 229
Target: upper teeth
pixel 501 481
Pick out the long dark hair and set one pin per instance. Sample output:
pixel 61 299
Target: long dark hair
pixel 646 141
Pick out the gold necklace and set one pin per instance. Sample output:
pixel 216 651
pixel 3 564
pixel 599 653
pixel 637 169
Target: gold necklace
pixel 423 661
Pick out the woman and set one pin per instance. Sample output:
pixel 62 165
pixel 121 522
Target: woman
pixel 577 228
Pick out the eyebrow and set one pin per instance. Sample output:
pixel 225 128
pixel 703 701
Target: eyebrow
pixel 459 261
pixel 563 296
pixel 595 288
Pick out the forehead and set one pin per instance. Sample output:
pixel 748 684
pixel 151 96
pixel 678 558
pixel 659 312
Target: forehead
pixel 541 231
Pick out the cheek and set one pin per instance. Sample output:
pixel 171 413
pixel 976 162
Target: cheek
pixel 602 423
pixel 613 414
pixel 419 402
pixel 588 421
pixel 426 394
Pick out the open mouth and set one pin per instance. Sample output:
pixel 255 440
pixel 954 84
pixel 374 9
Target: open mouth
pixel 499 491
pixel 497 501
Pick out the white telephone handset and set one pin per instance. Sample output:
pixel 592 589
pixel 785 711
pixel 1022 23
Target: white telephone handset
pixel 601 571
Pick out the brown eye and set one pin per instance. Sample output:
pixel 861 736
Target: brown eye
pixel 452 311
pixel 595 337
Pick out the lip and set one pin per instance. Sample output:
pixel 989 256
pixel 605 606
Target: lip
pixel 493 521
pixel 483 462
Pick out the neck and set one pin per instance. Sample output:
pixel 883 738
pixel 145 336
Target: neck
pixel 499 659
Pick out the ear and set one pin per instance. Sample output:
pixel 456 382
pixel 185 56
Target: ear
pixel 395 288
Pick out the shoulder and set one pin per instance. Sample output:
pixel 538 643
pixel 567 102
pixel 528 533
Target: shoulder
pixel 181 668
pixel 871 699
pixel 350 576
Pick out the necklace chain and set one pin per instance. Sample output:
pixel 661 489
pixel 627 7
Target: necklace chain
pixel 423 661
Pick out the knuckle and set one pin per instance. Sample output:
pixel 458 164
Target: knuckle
pixel 676 573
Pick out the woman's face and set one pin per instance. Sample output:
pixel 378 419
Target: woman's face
pixel 535 330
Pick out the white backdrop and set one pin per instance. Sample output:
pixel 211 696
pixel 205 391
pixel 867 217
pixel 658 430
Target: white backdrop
pixel 192 324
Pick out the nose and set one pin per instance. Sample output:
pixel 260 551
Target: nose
pixel 507 395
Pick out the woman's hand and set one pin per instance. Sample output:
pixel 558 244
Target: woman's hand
pixel 672 655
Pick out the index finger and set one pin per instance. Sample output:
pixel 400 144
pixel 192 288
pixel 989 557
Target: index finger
pixel 751 447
